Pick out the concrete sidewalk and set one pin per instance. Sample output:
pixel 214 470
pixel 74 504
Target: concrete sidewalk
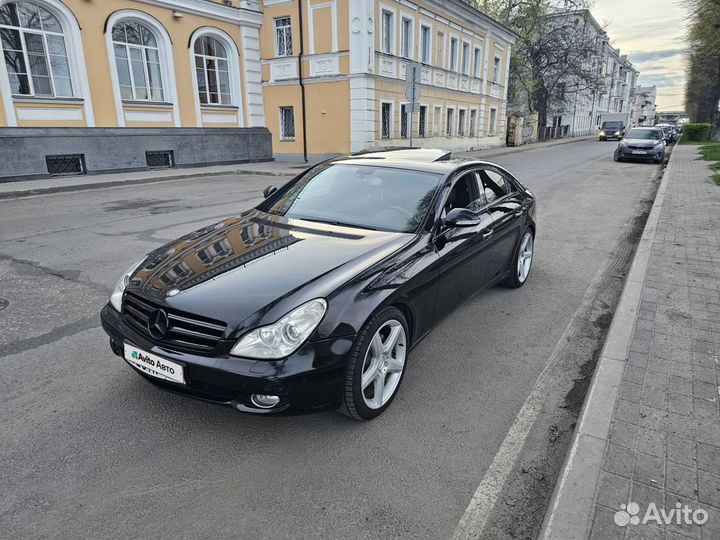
pixel 648 438
pixel 24 188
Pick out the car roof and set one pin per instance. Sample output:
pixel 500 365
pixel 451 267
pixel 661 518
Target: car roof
pixel 416 159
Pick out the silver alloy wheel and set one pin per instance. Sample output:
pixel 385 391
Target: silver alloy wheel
pixel 383 365
pixel 525 257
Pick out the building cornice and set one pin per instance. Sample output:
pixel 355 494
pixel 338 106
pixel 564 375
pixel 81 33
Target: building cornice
pixel 250 16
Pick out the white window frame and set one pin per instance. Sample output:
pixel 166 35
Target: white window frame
pixel 492 122
pixel 233 66
pixel 167 65
pixel 392 119
pixel 281 131
pixel 426 124
pixel 453 55
pixel 465 58
pixel 143 53
pixel 384 10
pixel 450 126
pixel 437 121
pixel 461 131
pixel 76 62
pixel 477 65
pixel 473 129
pixel 410 45
pixel 497 66
pixel 285 29
pixel 426 46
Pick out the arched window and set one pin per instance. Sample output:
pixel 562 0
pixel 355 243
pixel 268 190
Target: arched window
pixel 137 59
pixel 33 45
pixel 211 68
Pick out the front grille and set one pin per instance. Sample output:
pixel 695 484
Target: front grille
pixel 631 147
pixel 185 331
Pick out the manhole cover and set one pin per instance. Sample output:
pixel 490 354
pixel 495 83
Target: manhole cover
pixel 4 303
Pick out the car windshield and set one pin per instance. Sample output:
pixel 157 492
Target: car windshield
pixel 364 196
pixel 612 125
pixel 643 134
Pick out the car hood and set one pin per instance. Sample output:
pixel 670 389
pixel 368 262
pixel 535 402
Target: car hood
pixel 233 269
pixel 645 143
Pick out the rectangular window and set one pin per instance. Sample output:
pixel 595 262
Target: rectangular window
pixel 422 121
pixel 405 37
pixel 425 44
pixel 473 123
pixel 437 120
pixel 477 68
pixel 496 70
pixel 453 54
pixel 461 122
pixel 493 120
pixel 283 36
pixel 465 64
pixel 449 121
pixel 287 124
pixel 386 120
pixel 404 121
pixel 387 32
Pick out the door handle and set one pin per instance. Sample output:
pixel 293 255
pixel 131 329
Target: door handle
pixel 487 234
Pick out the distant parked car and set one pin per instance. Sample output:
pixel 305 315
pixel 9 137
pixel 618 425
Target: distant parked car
pixel 642 143
pixel 669 131
pixel 611 130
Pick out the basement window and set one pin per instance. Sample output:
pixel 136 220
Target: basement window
pixel 62 165
pixel 160 159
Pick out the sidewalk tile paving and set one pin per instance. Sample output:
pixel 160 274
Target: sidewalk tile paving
pixel 664 444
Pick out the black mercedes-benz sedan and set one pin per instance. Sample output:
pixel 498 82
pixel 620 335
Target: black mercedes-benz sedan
pixel 313 299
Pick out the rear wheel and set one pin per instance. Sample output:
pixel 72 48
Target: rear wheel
pixel 376 366
pixel 522 262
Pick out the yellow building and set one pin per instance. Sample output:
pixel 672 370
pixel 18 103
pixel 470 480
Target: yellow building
pixel 98 85
pixel 334 75
pixel 132 84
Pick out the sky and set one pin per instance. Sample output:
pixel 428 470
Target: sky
pixel 651 33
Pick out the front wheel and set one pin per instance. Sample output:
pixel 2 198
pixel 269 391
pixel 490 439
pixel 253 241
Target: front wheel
pixel 377 365
pixel 616 156
pixel 522 262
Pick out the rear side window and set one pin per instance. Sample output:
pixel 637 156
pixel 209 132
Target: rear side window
pixel 493 185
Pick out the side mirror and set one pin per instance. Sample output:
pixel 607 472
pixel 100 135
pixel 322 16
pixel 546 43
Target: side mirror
pixel 461 217
pixel 269 191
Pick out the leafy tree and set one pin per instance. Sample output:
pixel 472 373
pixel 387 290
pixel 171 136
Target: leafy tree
pixel 702 86
pixel 552 58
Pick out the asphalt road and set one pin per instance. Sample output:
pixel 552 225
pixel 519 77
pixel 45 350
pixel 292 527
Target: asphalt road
pixel 89 450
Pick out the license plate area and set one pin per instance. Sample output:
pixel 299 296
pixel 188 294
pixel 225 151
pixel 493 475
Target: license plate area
pixel 153 365
pixel 639 152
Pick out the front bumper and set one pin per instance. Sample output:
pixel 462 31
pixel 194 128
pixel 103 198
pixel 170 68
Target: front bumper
pixel 309 380
pixel 651 153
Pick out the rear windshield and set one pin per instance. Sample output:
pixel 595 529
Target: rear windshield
pixel 636 133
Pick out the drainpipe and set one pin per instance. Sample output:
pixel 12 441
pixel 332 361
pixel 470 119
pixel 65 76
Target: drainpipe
pixel 300 80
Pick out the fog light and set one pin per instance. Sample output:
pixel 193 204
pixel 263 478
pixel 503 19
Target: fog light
pixel 264 401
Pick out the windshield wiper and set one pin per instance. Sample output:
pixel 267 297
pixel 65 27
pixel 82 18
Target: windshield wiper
pixel 339 223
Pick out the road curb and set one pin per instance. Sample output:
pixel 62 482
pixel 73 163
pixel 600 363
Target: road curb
pixel 570 512
pixel 136 181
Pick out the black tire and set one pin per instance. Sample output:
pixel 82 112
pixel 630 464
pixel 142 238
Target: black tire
pixel 617 157
pixel 513 280
pixel 352 403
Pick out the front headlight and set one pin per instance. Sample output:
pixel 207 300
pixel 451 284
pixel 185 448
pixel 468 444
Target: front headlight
pixel 284 337
pixel 117 294
pixel 602 133
pixel 617 134
pixel 622 142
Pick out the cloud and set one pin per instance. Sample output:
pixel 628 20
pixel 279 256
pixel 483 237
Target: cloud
pixel 641 57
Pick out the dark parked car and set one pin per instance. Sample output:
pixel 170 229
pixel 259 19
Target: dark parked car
pixel 669 131
pixel 313 299
pixel 642 143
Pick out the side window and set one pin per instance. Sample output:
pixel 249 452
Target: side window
pixel 465 194
pixel 494 185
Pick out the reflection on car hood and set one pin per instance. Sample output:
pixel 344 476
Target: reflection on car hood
pixel 649 143
pixel 234 268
